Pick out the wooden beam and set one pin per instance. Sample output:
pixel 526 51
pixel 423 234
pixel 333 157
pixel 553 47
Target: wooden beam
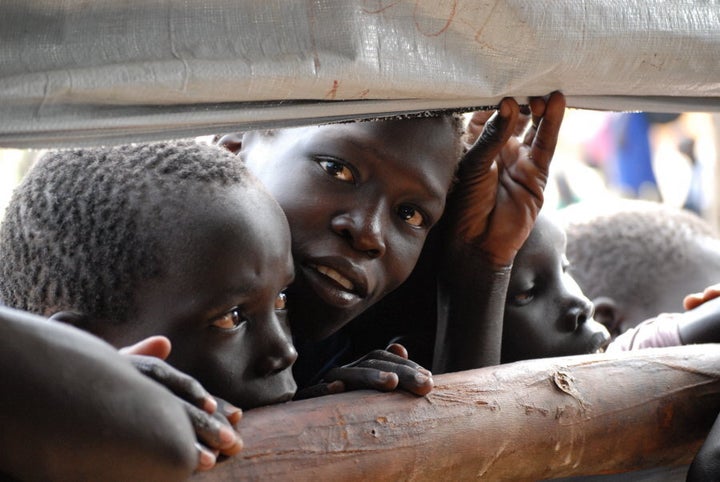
pixel 529 420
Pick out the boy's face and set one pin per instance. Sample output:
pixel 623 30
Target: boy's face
pixel 546 313
pixel 225 260
pixel 360 199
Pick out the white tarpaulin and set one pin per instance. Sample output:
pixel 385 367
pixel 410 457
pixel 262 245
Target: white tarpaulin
pixel 89 71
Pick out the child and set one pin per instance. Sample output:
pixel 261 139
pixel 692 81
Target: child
pixel 546 313
pixel 361 199
pixel 545 305
pixel 173 239
pixel 636 259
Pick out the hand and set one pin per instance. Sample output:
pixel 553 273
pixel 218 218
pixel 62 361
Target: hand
pixel 212 418
pixel 502 177
pixel 383 370
pixel 694 300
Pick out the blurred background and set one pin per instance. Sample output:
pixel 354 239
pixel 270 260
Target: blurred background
pixel 668 158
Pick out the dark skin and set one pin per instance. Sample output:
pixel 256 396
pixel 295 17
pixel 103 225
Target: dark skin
pixel 223 312
pixel 382 186
pixel 546 313
pixel 48 367
pixel 489 216
pixel 373 179
pixel 231 334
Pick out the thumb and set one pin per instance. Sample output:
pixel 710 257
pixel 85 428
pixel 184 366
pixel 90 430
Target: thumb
pixel 155 346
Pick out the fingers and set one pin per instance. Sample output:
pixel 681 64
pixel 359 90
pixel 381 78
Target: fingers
pixel 495 134
pixel 547 117
pixel 214 431
pixel 230 411
pixel 384 370
pixel 206 458
pixel 357 377
pixel 475 126
pixel 524 118
pixel 694 300
pixel 155 346
pixel 181 384
pixel 397 349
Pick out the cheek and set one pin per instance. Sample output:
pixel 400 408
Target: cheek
pixel 221 366
pixel 401 258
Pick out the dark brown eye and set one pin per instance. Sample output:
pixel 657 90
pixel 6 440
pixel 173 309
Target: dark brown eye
pixel 336 169
pixel 229 321
pixel 411 215
pixel 281 301
pixel 523 298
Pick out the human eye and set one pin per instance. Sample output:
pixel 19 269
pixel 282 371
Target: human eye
pixel 281 302
pixel 523 298
pixel 337 169
pixel 411 215
pixel 231 320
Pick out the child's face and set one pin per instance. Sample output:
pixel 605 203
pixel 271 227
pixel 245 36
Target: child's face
pixel 360 199
pixel 546 313
pixel 225 260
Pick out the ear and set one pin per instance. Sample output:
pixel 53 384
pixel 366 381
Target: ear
pixel 231 142
pixel 607 312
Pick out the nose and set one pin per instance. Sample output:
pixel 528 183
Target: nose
pixel 277 352
pixel 363 227
pixel 579 310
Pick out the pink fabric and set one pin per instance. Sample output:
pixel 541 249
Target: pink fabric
pixel 653 333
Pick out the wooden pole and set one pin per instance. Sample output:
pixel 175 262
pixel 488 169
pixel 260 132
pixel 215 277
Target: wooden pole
pixel 529 420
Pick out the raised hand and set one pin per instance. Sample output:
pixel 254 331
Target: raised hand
pixel 502 177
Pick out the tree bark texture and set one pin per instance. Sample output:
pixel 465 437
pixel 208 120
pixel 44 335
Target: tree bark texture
pixel 528 420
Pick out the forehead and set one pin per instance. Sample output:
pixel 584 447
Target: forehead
pixel 221 220
pixel 425 148
pixel 546 240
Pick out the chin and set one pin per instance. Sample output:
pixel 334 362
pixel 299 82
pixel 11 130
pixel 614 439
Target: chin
pixel 277 389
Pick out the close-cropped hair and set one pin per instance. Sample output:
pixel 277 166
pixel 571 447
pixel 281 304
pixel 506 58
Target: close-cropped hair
pixel 613 246
pixel 75 234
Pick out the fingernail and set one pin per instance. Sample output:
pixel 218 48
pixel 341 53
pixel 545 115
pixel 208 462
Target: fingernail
pixel 206 458
pixel 504 109
pixel 227 435
pixel 232 413
pixel 425 371
pixel 421 378
pixel 230 408
pixel 209 404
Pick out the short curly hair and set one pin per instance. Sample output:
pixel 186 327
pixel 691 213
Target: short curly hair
pixel 74 235
pixel 616 249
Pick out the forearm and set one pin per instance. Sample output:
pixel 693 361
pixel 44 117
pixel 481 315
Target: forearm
pixel 471 303
pixel 701 324
pixel 72 407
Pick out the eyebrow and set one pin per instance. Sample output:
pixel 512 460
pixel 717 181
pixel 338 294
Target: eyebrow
pixel 436 193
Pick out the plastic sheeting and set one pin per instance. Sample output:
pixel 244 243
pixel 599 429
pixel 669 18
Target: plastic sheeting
pixel 96 71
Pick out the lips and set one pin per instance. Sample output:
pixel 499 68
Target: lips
pixel 599 342
pixel 337 281
pixel 334 275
